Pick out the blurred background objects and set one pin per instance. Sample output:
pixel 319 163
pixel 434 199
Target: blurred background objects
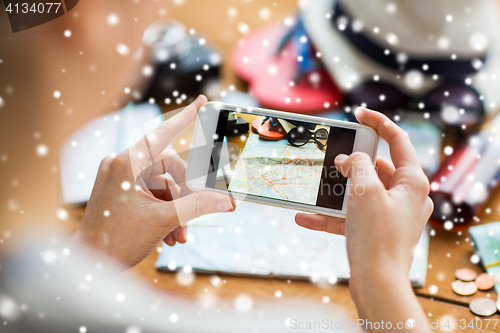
pixel 433 67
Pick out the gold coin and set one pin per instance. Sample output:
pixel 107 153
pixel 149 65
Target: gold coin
pixel 485 281
pixel 464 288
pixel 465 274
pixel 483 306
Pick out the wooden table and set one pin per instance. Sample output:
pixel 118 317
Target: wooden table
pixel 449 250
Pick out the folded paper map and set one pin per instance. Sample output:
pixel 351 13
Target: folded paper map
pixel 265 241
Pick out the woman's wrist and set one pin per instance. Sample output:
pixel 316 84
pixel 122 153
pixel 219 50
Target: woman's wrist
pixel 386 295
pixel 371 284
pixel 89 245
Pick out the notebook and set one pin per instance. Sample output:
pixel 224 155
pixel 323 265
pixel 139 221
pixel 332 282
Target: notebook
pixel 83 152
pixel 487 241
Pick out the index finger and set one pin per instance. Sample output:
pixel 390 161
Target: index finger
pixel 401 149
pixel 158 139
pixel 144 151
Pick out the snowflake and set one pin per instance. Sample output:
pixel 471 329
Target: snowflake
pixel 42 150
pixel 122 49
pixel 185 277
pixel 125 186
pixel 113 19
pixel 243 304
pixel 120 297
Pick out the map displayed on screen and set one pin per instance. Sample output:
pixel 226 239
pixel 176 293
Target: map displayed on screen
pixel 275 169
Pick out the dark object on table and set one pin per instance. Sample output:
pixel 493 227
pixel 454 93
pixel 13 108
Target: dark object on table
pixel 184 66
pixel 452 105
pixel 465 179
pixel 236 125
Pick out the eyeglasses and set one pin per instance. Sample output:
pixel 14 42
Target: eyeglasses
pixel 451 104
pixel 299 136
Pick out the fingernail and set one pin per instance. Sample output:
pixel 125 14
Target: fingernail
pixel 195 100
pixel 224 206
pixel 359 111
pixel 340 157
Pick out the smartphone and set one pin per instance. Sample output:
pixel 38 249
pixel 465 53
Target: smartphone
pixel 275 158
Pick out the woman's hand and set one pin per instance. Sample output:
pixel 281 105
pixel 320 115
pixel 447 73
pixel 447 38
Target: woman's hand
pixel 385 214
pixel 134 207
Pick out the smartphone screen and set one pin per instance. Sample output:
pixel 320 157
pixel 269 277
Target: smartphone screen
pixel 279 159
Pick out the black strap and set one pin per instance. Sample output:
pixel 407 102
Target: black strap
pixel 377 52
